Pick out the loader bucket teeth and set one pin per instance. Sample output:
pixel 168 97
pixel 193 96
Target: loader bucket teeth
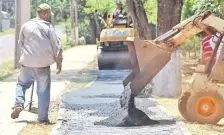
pixel 147 60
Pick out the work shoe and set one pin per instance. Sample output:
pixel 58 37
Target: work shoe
pixel 16 112
pixel 45 122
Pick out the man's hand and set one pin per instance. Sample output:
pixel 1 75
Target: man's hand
pixel 59 65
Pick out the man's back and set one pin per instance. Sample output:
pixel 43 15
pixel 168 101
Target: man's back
pixel 38 50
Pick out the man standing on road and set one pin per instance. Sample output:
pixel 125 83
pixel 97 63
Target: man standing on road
pixel 41 48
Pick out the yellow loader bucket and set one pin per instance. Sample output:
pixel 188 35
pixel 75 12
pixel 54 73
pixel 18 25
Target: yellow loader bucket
pixel 147 60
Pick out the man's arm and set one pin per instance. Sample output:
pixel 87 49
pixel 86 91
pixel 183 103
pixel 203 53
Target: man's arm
pixel 21 37
pixel 57 48
pixel 124 13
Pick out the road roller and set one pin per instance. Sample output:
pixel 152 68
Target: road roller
pixel 112 47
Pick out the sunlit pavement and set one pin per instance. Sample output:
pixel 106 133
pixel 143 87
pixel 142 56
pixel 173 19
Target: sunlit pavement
pixel 71 65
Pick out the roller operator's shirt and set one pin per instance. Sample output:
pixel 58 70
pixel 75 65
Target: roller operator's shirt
pixel 40 45
pixel 213 41
pixel 117 12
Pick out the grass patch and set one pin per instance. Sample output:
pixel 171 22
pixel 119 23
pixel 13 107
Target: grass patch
pixel 6 69
pixel 84 77
pixel 81 80
pixel 66 44
pixel 7 32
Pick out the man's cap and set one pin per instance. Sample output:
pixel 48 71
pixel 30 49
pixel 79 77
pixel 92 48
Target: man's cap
pixel 43 7
pixel 118 2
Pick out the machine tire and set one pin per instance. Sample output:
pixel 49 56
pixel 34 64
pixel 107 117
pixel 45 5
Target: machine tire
pixel 182 105
pixel 113 60
pixel 102 66
pixel 101 63
pixel 205 107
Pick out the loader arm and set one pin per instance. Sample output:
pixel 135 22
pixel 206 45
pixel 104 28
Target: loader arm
pixel 148 57
pixel 205 22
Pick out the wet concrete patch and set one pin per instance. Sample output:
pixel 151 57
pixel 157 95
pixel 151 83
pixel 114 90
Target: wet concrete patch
pixel 87 111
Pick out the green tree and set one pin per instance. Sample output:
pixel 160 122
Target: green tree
pixel 140 19
pixel 216 6
pixel 150 7
pixel 102 6
pixel 194 6
pixel 87 10
pixel 189 9
pixel 59 7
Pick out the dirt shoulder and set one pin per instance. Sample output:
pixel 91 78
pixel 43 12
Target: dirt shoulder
pixel 171 104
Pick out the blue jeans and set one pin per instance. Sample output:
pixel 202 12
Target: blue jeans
pixel 43 78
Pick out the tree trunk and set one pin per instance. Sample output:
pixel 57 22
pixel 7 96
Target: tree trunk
pixel 168 80
pixel 92 28
pixel 138 14
pixel 98 30
pixel 145 30
pixel 169 14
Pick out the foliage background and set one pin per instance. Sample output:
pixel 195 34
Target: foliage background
pixel 87 8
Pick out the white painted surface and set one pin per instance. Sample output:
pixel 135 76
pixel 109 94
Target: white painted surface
pixel 167 83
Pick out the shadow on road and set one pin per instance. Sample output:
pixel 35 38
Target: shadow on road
pixel 70 75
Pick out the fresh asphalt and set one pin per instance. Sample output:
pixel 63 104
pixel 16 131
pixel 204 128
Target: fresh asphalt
pixel 80 109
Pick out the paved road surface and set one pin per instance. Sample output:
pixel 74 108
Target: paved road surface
pixel 7 45
pixel 7 48
pixel 80 109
